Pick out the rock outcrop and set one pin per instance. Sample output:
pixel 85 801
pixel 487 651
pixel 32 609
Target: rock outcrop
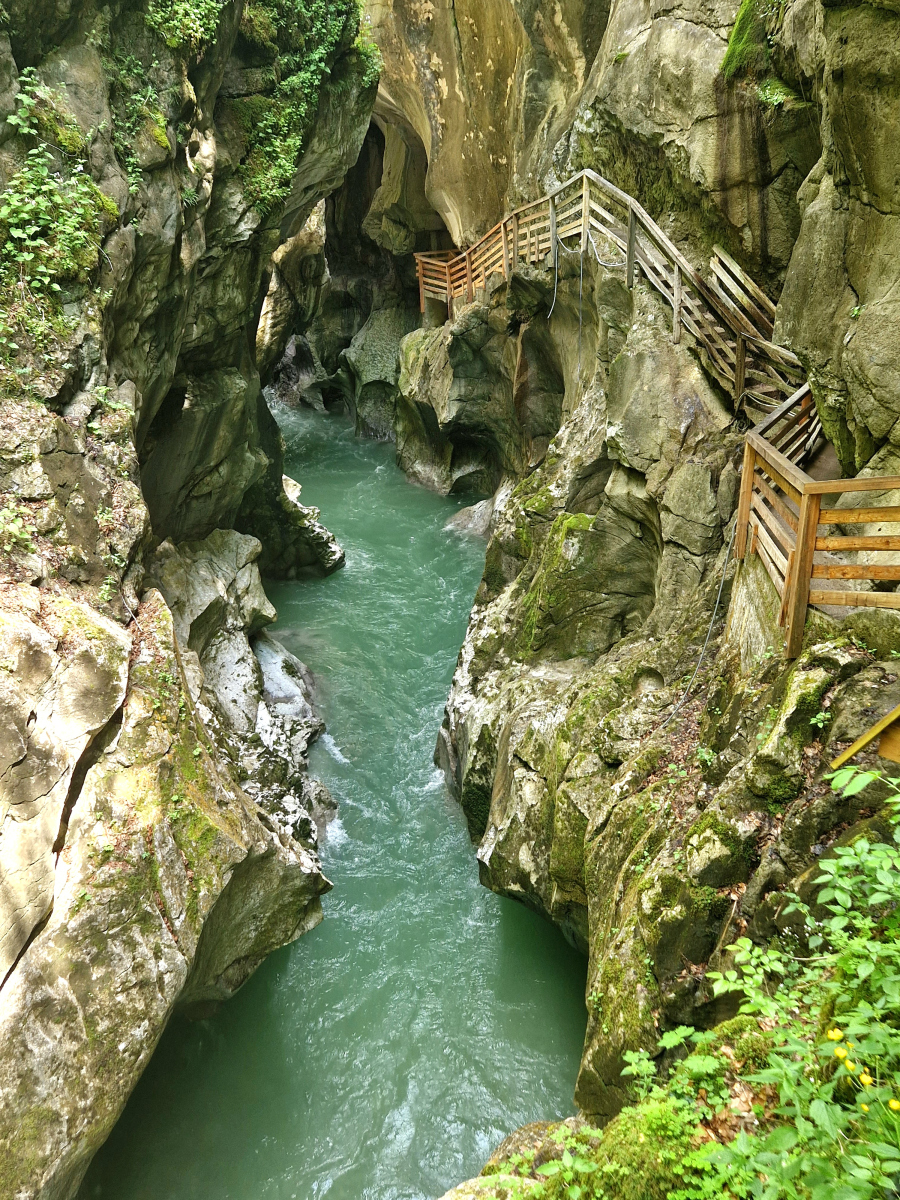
pixel 158 828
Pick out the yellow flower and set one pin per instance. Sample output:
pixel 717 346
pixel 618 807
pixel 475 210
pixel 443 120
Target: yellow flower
pixel 840 1052
pixel 894 1105
pixel 850 1066
pixel 849 1045
pixel 864 1107
pixel 866 1079
pixel 834 1035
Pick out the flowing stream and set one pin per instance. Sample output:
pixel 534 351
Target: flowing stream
pixel 384 1055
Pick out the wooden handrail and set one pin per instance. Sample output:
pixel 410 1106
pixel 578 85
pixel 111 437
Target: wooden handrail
pixel 780 518
pixel 726 326
pixel 780 506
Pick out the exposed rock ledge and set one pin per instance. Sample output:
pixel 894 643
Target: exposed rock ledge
pixel 163 882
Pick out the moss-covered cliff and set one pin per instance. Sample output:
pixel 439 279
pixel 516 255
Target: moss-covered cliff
pixel 157 826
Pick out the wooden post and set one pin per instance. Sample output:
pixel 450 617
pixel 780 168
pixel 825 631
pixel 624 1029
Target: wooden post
pixel 470 291
pixel 515 238
pixel 676 310
pixel 449 292
pixel 740 370
pixel 743 511
pixel 554 241
pixel 807 528
pixel 505 250
pixel 585 212
pixel 788 578
pixel 420 273
pixel 629 256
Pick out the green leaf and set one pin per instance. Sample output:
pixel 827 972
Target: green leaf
pixel 824 1116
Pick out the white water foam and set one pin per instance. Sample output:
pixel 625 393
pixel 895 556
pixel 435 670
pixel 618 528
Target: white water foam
pixel 335 833
pixel 333 748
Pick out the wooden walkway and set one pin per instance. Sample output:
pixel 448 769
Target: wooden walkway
pixel 806 546
pixel 730 317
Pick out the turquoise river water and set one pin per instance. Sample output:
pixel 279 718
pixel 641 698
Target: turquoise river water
pixel 384 1055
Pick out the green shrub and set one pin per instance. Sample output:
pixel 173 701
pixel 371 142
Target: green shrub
pixel 307 37
pixel 52 221
pixel 138 107
pixel 188 23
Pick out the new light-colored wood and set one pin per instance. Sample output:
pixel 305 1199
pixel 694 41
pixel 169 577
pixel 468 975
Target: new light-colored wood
pixel 746 494
pixel 867 737
pixel 807 523
pixel 889 743
pixel 857 599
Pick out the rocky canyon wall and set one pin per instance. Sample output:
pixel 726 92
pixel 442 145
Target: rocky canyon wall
pixel 653 835
pixel 158 829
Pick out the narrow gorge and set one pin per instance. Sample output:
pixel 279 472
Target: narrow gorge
pixel 339 345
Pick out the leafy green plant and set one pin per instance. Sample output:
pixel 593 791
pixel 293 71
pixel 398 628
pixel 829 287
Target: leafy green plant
pixel 835 1062
pixel 138 108
pixel 52 220
pixel 15 534
pixel 188 23
pixel 820 719
pixel 306 38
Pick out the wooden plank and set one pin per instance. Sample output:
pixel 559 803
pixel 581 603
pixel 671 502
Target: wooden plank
pixel 782 533
pixel 786 487
pixel 882 483
pixel 841 542
pixel 749 284
pixel 773 572
pixel 869 736
pixel 778 353
pixel 854 571
pixel 778 557
pixel 797 478
pixel 739 319
pixel 766 424
pixel 788 576
pixel 676 308
pixel 554 236
pixel 744 299
pixel 632 240
pixel 743 509
pixel 858 516
pixel 781 505
pixel 807 523
pixel 857 599
pixel 740 366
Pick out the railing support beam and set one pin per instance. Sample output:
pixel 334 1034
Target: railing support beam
pixel 740 370
pixel 676 307
pixel 629 253
pixel 807 524
pixel 743 511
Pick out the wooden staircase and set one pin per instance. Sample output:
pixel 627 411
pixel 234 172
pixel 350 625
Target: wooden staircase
pixel 816 549
pixel 731 318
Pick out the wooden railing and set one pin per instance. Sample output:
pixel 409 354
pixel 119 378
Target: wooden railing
pixel 782 519
pixel 780 513
pixel 730 317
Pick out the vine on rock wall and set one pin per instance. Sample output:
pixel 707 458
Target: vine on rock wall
pixel 52 220
pixel 300 41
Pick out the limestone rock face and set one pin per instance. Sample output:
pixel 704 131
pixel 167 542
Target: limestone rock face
pixel 648 832
pixel 54 708
pixel 136 872
pixel 182 269
pixel 506 97
pixel 165 886
pixel 838 309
